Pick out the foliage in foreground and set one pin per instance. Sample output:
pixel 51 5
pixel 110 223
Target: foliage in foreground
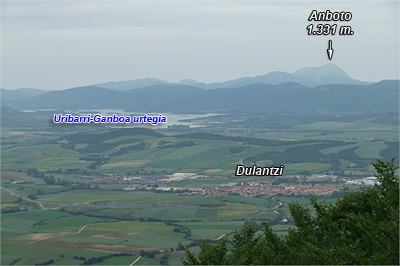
pixel 361 228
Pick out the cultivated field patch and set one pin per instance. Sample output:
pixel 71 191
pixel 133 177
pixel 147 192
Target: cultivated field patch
pixel 134 163
pixel 42 236
pixel 95 247
pixel 2 206
pixel 212 171
pixel 135 226
pixel 15 176
pixel 236 212
pixel 113 235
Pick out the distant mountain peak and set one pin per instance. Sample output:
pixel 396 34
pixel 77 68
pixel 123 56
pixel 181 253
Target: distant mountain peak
pixel 326 74
pixel 307 76
pixel 327 69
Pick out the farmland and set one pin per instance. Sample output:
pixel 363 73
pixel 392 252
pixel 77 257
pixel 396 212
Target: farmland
pixel 143 151
pixel 86 211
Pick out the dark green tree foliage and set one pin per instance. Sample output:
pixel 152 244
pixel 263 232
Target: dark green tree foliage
pixel 234 150
pixel 32 196
pixel 99 138
pixel 393 149
pixel 163 142
pixel 101 258
pixel 178 145
pixel 32 172
pixel 139 147
pixel 49 180
pixel 51 261
pixel 362 228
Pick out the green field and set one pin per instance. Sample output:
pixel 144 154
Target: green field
pixel 29 255
pixel 126 260
pixel 131 227
pixel 14 228
pixel 312 167
pixel 371 149
pixel 304 200
pixel 200 154
pixel 59 227
pixel 165 205
pixel 69 223
pixel 213 230
pixel 146 261
pixel 97 222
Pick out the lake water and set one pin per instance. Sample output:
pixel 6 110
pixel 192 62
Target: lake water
pixel 172 119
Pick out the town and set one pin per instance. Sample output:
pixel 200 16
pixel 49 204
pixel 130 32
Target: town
pixel 299 185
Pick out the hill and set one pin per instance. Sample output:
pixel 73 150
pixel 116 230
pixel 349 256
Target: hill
pixel 8 96
pixel 81 97
pixel 131 84
pixel 251 99
pixel 31 91
pixel 309 76
pixel 14 118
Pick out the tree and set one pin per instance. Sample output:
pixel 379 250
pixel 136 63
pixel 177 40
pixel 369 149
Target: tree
pixel 180 246
pixel 167 254
pixel 32 172
pixel 361 228
pixel 188 233
pixel 49 180
pixel 32 196
pixel 65 183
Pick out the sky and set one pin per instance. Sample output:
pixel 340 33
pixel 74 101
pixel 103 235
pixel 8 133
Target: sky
pixel 55 45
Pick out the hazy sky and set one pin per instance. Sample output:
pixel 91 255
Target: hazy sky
pixel 62 44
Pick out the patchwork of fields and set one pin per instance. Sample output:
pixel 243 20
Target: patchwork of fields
pixel 88 229
pixel 68 234
pixel 86 222
pixel 141 150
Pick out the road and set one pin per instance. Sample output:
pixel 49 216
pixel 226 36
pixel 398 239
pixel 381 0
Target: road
pixel 220 237
pixel 35 201
pixel 135 261
pixel 83 227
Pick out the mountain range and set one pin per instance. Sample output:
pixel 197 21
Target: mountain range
pixel 309 76
pixel 242 96
pixel 251 99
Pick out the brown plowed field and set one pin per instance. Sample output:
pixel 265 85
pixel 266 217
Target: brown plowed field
pixel 113 235
pixel 95 247
pixel 15 176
